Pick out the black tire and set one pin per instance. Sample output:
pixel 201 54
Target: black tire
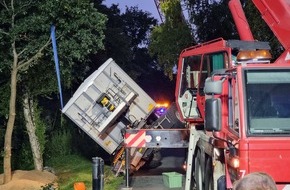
pixel 208 176
pixel 173 115
pixel 198 173
pixel 154 159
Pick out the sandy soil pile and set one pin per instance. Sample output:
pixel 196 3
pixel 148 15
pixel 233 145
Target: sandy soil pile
pixel 28 180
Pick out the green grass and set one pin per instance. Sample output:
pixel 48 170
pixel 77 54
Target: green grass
pixel 73 168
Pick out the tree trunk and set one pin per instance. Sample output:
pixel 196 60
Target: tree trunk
pixel 10 125
pixel 31 129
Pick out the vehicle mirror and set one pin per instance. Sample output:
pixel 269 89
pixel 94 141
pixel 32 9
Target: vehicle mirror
pixel 213 87
pixel 213 114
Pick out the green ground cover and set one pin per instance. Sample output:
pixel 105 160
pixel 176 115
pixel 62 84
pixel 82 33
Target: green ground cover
pixel 73 168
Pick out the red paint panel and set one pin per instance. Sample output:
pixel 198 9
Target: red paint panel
pixel 271 156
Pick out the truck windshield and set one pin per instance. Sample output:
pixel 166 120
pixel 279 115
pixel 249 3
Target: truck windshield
pixel 268 101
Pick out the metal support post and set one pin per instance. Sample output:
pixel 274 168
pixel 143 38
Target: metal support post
pixel 127 169
pixel 127 165
pixel 98 173
pixel 102 176
pixel 193 138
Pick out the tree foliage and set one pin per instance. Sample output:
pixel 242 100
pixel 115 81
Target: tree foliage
pixel 79 31
pixel 137 25
pixel 168 39
pixel 25 38
pixel 127 37
pixel 211 20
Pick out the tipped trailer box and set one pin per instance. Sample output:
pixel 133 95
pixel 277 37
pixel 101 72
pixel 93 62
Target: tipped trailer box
pixel 105 102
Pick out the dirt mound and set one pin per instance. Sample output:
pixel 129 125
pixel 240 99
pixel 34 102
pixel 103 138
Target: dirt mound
pixel 28 180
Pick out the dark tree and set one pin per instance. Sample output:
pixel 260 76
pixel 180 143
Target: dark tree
pixel 211 20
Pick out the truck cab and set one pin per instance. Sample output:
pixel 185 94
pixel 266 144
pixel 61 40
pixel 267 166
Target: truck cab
pixel 195 65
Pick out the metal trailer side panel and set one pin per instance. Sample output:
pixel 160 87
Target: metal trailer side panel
pixel 105 96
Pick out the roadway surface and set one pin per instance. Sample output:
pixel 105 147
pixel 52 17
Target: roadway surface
pixel 152 179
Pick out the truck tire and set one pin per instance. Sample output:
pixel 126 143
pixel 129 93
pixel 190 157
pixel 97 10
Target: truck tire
pixel 173 115
pixel 154 159
pixel 208 176
pixel 198 173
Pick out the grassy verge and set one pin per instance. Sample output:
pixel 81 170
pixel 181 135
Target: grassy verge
pixel 73 168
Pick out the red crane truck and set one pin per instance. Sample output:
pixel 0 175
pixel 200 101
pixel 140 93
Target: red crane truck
pixel 237 103
pixel 231 98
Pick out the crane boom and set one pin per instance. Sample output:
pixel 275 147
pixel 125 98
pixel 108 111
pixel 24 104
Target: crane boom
pixel 157 4
pixel 161 14
pixel 277 15
pixel 240 20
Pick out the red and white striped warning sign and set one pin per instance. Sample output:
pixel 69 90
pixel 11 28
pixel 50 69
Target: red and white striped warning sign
pixel 135 139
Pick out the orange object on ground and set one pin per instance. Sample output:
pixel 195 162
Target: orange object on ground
pixel 79 186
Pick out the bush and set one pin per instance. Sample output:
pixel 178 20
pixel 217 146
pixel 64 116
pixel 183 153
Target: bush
pixel 25 159
pixel 59 144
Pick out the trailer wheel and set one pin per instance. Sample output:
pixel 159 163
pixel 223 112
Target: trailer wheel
pixel 154 159
pixel 198 173
pixel 208 178
pixel 173 115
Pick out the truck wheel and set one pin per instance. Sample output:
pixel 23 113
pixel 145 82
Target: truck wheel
pixel 208 178
pixel 198 173
pixel 173 115
pixel 154 160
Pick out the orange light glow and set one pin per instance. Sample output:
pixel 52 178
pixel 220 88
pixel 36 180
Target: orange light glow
pixel 235 162
pixel 158 105
pixel 254 55
pixel 184 166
